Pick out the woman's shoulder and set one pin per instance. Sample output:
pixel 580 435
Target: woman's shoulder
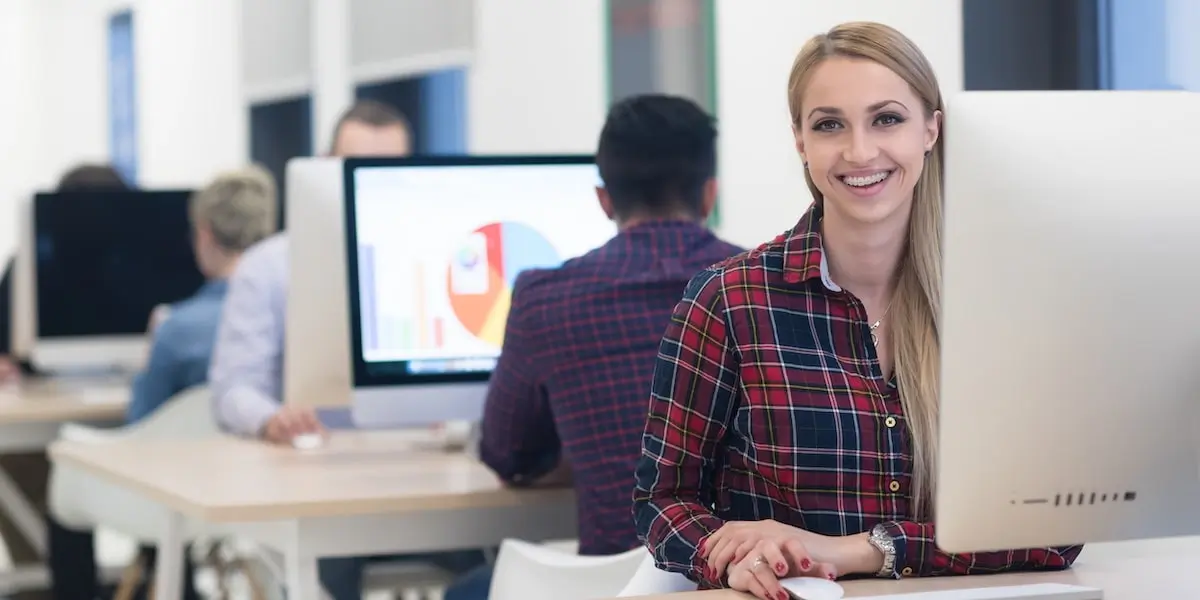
pixel 749 269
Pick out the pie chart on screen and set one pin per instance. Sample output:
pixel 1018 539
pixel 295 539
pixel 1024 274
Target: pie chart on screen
pixel 482 272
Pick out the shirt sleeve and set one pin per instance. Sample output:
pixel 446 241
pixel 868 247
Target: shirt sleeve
pixel 159 381
pixel 243 376
pixel 692 399
pixel 518 437
pixel 917 554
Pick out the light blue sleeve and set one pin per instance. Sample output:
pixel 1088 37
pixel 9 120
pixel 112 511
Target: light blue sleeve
pixel 159 381
pixel 245 376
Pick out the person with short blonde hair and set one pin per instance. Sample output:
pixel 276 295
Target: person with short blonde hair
pixel 237 210
pixel 234 212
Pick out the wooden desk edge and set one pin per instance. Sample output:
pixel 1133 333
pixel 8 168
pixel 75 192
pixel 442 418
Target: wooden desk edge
pixel 57 455
pixel 250 513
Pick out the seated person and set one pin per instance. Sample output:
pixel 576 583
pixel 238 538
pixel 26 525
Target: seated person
pixel 579 348
pixel 246 374
pixel 83 178
pixel 70 556
pixel 793 411
pixel 236 210
pixel 230 215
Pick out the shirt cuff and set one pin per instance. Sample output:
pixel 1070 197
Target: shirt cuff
pixel 250 414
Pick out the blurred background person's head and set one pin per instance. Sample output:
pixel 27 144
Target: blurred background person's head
pixel 229 215
pixel 370 128
pixel 92 178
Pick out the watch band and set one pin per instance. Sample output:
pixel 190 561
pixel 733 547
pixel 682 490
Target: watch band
pixel 882 540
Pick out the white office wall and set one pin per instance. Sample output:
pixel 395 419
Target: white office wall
pixel 536 83
pixel 193 117
pixel 538 77
pixel 762 184
pixel 73 56
pixel 21 145
pixel 191 111
pixel 276 48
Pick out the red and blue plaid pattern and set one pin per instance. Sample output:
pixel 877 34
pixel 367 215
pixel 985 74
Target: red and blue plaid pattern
pixel 768 403
pixel 578 356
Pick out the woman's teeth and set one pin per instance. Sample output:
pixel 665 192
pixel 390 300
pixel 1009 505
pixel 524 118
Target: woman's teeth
pixel 866 180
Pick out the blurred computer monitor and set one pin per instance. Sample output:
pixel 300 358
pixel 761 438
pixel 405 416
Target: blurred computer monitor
pixel 434 246
pixel 1070 329
pixel 98 263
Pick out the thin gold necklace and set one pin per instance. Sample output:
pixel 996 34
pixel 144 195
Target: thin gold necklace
pixel 875 325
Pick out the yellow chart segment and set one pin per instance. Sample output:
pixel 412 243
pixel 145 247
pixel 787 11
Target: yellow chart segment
pixel 492 331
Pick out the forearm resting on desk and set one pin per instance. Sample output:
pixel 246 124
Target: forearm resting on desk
pixel 243 410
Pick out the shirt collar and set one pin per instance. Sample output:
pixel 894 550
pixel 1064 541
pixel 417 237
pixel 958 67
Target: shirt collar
pixel 803 254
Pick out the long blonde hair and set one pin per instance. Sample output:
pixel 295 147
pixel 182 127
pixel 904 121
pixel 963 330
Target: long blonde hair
pixel 916 305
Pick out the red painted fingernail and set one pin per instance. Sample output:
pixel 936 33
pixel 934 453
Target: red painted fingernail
pixel 805 564
pixel 700 547
pixel 783 595
pixel 782 568
pixel 831 576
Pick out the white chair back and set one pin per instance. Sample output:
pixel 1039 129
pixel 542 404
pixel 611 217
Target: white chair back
pixel 650 580
pixel 527 571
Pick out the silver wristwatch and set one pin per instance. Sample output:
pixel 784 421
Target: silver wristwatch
pixel 883 542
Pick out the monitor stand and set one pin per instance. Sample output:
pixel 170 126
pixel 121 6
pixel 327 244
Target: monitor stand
pixel 1034 591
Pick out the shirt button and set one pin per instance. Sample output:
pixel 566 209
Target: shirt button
pixel 894 486
pixel 890 422
pixel 906 572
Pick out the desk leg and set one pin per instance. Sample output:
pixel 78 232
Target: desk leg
pixel 168 568
pixel 300 567
pixel 25 516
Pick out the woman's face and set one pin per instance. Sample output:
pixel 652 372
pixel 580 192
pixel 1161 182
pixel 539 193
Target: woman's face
pixel 864 133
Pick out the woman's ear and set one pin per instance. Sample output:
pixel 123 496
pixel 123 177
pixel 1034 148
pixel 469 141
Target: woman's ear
pixel 799 143
pixel 933 130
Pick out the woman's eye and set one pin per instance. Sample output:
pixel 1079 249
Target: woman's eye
pixel 826 125
pixel 887 120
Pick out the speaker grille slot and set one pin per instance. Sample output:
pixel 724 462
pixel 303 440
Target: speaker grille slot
pixel 1081 498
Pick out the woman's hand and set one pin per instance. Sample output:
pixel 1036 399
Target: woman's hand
pixel 759 571
pixel 806 553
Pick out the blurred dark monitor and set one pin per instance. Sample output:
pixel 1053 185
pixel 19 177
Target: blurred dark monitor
pixel 104 260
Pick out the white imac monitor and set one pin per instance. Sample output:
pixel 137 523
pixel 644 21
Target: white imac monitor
pixel 1070 331
pixel 98 264
pixel 434 246
pixel 316 357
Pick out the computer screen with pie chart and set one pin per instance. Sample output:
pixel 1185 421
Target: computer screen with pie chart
pixel 436 246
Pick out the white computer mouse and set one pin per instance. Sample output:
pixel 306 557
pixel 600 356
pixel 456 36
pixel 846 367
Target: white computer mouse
pixel 308 441
pixel 812 588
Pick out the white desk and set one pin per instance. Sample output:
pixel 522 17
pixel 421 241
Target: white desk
pixel 1168 570
pixel 364 493
pixel 30 416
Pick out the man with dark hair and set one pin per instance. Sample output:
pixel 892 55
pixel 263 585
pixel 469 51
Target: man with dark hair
pixel 246 374
pixel 571 384
pixel 247 366
pixel 94 178
pixel 371 128
pixel 658 160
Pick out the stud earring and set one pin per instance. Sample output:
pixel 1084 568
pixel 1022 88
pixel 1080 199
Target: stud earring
pixel 927 153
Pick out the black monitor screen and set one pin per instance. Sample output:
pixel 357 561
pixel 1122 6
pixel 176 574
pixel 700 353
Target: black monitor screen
pixel 106 259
